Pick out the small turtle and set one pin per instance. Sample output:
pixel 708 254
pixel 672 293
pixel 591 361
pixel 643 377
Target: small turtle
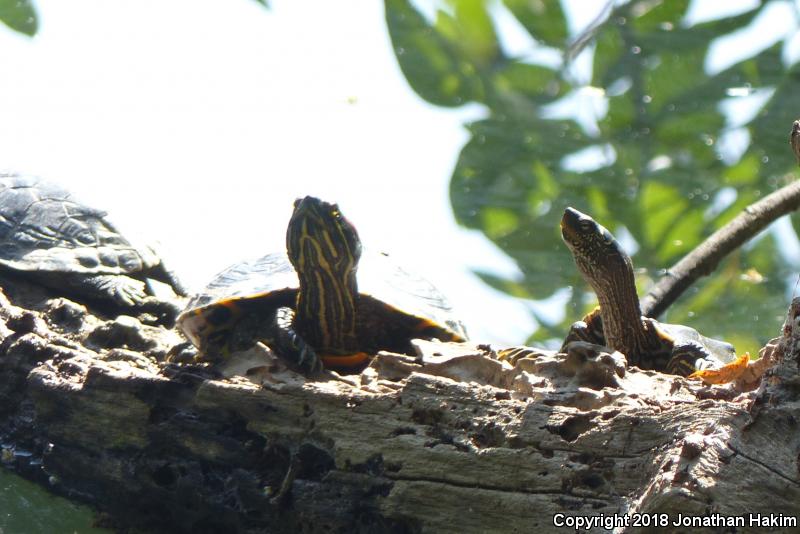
pixel 49 237
pixel 323 303
pixel 618 322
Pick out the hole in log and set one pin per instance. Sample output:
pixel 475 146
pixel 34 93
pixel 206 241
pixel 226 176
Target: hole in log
pixel 373 466
pixel 572 427
pixel 314 462
pixel 489 435
pixel 426 417
pixel 164 476
pixel 590 479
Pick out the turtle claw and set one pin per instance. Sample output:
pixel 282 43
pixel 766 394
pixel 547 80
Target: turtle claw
pixel 124 291
pixel 588 330
pixel 130 292
pixel 514 355
pixel 309 362
pixel 307 359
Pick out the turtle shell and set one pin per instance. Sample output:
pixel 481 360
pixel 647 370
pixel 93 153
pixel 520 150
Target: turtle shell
pixel 270 282
pixel 44 228
pixel 682 334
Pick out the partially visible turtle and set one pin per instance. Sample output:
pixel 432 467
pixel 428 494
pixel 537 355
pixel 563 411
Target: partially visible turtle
pixel 324 303
pixel 618 323
pixel 51 238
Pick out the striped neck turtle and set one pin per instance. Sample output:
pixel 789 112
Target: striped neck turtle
pixel 323 303
pixel 618 323
pixel 48 236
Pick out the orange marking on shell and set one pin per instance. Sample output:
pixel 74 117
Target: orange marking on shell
pixel 726 373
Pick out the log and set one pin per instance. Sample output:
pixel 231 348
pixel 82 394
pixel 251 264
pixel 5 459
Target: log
pixel 451 441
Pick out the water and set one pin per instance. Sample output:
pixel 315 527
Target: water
pixel 26 508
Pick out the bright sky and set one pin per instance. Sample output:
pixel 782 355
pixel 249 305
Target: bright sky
pixel 198 123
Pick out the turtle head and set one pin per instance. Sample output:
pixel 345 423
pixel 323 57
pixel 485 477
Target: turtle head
pixel 596 252
pixel 320 237
pixel 324 248
pixel 609 270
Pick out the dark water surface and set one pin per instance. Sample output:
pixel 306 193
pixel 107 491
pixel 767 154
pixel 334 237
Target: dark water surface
pixel 25 508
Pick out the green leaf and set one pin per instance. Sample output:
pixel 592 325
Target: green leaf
pixel 19 15
pixel 743 173
pixel 654 16
pixel 534 84
pixel 476 38
pixel 498 222
pixel 429 61
pixel 543 19
pixel 664 205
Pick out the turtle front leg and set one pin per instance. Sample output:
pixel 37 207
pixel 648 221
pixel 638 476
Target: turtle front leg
pixel 289 345
pixel 122 292
pixel 295 350
pixel 688 357
pixel 589 332
pixel 222 337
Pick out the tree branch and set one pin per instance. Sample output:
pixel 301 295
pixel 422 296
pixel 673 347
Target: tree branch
pixel 706 256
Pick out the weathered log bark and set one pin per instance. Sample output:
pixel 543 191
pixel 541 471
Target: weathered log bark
pixel 459 443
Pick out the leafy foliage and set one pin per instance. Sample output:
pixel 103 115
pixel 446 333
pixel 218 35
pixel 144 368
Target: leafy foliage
pixel 19 15
pixel 642 144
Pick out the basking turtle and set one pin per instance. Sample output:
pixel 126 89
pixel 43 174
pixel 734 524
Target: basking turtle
pixel 322 303
pixel 49 237
pixel 618 323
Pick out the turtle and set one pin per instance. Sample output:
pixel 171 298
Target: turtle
pixel 618 322
pixel 324 303
pixel 51 238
